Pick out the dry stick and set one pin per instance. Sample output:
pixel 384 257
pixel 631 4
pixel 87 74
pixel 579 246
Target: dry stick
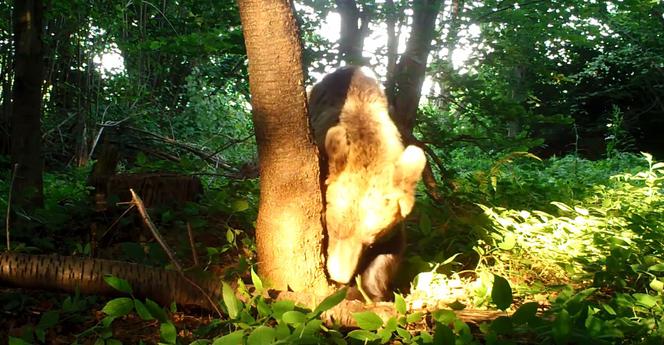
pixel 9 204
pixel 136 200
pixel 194 254
pixel 116 221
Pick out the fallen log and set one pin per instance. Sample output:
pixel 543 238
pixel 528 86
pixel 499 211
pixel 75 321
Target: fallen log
pixel 85 275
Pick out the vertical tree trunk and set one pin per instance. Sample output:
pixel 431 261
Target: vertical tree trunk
pixel 6 81
pixel 405 89
pixel 354 27
pixel 392 38
pixel 289 229
pixel 25 120
pixel 519 95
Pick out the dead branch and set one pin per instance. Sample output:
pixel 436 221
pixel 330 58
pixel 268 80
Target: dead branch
pixel 9 204
pixel 136 201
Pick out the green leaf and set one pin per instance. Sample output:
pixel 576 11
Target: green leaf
pixel 107 321
pixel 562 206
pixel 399 304
pixel 282 331
pixel 609 309
pixel 443 335
pixel 508 242
pixel 262 307
pixel 645 300
pixel 330 302
pixel 168 333
pixel 391 324
pixel 562 327
pixel 501 293
pixel 363 335
pixel 502 325
pixel 230 236
pixel 526 313
pixel 656 268
pixel 450 259
pixel 17 341
pixel 425 338
pixel 156 310
pixel 404 334
pixel 200 342
pixel 231 302
pixel 384 335
pixel 118 284
pixel 294 317
pixel 262 335
pixel 256 280
pixel 142 310
pixel 234 338
pixel 657 285
pixel 444 316
pixel 118 307
pixel 312 327
pixel 368 320
pixel 48 319
pixel 456 305
pixel 239 205
pixel 414 317
pixel 280 307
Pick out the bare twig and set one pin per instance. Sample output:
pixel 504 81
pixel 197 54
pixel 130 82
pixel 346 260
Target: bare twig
pixel 115 222
pixel 9 204
pixel 57 127
pixel 136 200
pixel 192 244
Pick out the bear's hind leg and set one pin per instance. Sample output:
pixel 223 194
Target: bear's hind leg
pixel 379 266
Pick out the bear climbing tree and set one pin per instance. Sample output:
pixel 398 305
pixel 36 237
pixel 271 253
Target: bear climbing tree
pixel 369 176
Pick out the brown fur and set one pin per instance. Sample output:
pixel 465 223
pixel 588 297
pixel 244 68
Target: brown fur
pixel 370 177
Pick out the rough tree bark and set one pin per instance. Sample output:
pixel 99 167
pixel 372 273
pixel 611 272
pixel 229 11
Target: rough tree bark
pixel 289 229
pixel 27 96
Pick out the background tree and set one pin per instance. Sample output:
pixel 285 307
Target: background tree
pixel 26 108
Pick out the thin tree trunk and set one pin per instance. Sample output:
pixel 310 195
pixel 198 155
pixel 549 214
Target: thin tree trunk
pixel 27 95
pixel 405 87
pixel 6 80
pixel 405 90
pixel 392 38
pixel 354 27
pixel 289 229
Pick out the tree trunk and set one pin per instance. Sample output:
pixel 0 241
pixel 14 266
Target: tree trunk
pixel 6 81
pixel 289 229
pixel 405 89
pixel 25 120
pixel 392 38
pixel 354 28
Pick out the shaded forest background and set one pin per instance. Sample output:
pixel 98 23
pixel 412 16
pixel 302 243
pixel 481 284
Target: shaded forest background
pixel 533 114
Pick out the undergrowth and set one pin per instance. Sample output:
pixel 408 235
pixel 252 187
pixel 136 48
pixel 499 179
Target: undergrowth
pixel 569 250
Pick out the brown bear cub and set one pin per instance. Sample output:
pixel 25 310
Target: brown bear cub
pixel 371 178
